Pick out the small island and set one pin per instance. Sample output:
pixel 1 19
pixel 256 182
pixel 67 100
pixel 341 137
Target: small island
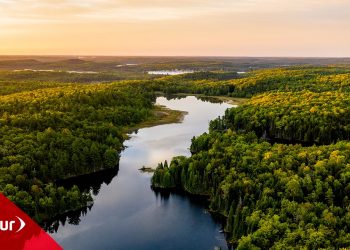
pixel 145 169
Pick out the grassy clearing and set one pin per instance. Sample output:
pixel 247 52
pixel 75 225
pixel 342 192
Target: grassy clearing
pixel 162 115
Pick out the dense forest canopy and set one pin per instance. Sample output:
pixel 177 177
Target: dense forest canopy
pixel 305 116
pixel 293 79
pixel 57 125
pixel 273 195
pixel 281 196
pixel 56 133
pixel 315 79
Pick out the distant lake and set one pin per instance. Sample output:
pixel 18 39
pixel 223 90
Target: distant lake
pixel 127 64
pixel 52 70
pixel 170 72
pixel 127 213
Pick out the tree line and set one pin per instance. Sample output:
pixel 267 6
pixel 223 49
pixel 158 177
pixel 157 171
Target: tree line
pixel 273 195
pixel 56 133
pixel 291 195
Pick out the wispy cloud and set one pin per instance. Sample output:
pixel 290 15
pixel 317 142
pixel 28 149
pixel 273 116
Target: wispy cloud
pixel 136 10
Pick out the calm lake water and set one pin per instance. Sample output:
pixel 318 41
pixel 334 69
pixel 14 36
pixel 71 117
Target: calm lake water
pixel 127 213
pixel 170 72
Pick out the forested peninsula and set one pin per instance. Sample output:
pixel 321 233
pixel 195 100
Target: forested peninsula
pixel 278 166
pixel 56 133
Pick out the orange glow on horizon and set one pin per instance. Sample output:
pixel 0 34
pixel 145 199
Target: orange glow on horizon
pixel 181 28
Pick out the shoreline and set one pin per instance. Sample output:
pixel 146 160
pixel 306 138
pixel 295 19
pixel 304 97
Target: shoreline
pixel 161 116
pixel 228 99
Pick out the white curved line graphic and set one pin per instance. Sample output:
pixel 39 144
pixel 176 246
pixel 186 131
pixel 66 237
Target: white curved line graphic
pixel 22 224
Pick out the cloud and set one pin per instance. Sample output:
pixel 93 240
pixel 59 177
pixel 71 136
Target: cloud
pixel 154 10
pixel 182 27
pixel 125 10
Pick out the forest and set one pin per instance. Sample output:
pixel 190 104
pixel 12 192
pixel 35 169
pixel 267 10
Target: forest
pixel 304 117
pixel 276 167
pixel 56 133
pixel 273 195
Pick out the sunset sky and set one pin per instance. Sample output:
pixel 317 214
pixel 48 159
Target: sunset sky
pixel 176 27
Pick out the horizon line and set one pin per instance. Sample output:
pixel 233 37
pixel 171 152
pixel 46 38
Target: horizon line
pixel 174 56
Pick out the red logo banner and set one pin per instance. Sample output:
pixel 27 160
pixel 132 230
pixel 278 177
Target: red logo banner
pixel 19 232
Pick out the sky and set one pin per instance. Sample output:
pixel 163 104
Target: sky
pixel 297 28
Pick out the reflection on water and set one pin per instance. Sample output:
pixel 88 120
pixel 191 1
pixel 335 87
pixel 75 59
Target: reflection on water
pixel 91 182
pixel 126 213
pixel 86 183
pixel 209 99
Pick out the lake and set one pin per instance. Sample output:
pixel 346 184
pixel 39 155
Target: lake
pixel 127 213
pixel 170 72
